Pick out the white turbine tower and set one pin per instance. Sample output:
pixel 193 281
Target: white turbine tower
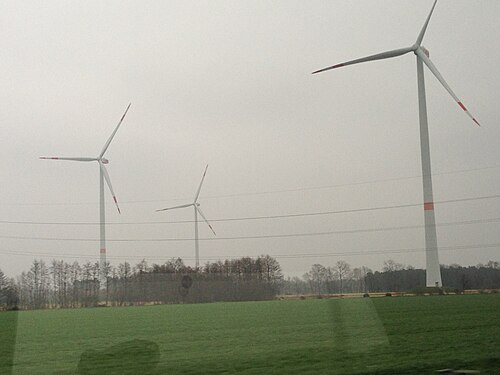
pixel 103 175
pixel 197 210
pixel 433 274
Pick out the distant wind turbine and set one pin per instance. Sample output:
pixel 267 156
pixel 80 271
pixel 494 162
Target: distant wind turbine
pixel 103 175
pixel 433 274
pixel 197 210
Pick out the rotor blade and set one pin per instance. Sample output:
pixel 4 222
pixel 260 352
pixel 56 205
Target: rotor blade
pixel 204 218
pixel 422 32
pixel 421 54
pixel 108 181
pixel 201 183
pixel 173 208
pixel 64 158
pixel 378 56
pixel 113 134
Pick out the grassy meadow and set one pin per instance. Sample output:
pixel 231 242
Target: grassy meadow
pixel 387 335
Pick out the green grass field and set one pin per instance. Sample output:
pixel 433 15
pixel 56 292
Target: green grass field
pixel 397 335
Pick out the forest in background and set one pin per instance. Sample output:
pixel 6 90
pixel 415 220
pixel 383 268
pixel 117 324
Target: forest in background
pixel 394 277
pixel 60 284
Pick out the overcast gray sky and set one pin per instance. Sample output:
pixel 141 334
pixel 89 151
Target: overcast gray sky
pixel 228 83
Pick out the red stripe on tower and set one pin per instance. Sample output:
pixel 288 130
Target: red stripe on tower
pixel 429 206
pixel 103 251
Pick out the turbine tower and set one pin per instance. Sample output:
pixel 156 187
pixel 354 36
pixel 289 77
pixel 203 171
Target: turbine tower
pixel 433 272
pixel 197 210
pixel 103 176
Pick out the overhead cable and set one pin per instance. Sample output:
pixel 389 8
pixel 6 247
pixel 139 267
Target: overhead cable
pixel 280 191
pixel 285 235
pixel 263 217
pixel 277 256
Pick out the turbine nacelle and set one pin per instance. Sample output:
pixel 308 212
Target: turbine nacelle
pixel 104 177
pixel 433 273
pixel 422 49
pixel 422 55
pixel 197 211
pixel 100 159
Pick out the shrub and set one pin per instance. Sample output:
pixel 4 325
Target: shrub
pixel 366 295
pixel 388 294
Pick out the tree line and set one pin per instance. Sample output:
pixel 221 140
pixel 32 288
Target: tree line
pixel 60 284
pixel 394 277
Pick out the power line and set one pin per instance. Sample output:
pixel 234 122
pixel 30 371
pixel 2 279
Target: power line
pixel 265 192
pixel 341 185
pixel 286 235
pixel 269 217
pixel 224 219
pixel 277 256
pixel 392 251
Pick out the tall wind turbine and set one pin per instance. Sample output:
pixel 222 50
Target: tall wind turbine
pixel 103 175
pixel 433 274
pixel 197 210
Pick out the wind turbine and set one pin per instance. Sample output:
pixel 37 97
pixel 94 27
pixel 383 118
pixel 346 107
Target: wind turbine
pixel 433 274
pixel 103 175
pixel 197 210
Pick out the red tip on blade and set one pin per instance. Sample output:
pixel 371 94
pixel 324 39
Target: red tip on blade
pixel 465 109
pixel 116 202
pixel 329 68
pixel 429 206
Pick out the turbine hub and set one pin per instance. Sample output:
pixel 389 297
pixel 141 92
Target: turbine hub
pixel 104 161
pixel 197 205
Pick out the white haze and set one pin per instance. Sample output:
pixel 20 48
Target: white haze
pixel 228 83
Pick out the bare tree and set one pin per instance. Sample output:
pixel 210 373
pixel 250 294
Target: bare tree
pixel 3 288
pixel 316 278
pixel 493 264
pixel 74 276
pixel 357 276
pixel 3 280
pixel 342 270
pixel 271 269
pixel 390 266
pixel 393 269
